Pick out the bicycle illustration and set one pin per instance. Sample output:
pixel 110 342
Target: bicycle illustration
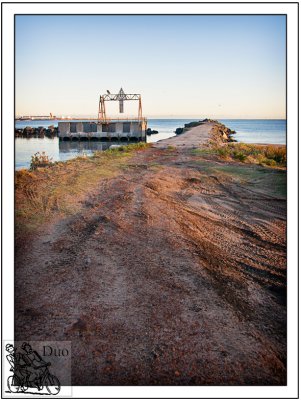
pixel 29 371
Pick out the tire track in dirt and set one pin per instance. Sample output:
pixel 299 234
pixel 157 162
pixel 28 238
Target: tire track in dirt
pixel 153 288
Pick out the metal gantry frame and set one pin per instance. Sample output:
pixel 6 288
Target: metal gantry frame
pixel 121 97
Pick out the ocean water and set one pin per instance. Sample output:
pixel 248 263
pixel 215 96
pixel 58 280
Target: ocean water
pixel 269 131
pixel 248 131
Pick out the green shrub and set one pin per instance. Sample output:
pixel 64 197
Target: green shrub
pixel 239 155
pixel 223 151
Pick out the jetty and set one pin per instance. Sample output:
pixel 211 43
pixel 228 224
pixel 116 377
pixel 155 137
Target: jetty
pixel 115 130
pixel 197 134
pixel 104 128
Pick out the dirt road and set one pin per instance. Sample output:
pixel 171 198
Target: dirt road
pixel 173 273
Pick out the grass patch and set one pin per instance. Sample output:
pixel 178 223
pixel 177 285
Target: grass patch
pixel 265 180
pixel 270 155
pixel 60 188
pixel 203 151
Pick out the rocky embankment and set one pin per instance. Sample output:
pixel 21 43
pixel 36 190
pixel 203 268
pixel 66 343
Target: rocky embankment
pixel 150 131
pixel 220 133
pixel 36 132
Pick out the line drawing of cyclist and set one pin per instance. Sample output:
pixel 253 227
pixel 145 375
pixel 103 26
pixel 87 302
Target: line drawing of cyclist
pixel 17 363
pixel 33 362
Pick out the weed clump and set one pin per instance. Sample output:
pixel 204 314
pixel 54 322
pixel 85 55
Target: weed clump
pixel 239 155
pixel 278 154
pixel 40 160
pixel 171 148
pixel 223 152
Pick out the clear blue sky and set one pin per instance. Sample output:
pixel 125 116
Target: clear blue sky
pixel 215 66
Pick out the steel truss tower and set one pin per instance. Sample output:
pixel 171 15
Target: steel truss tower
pixel 121 97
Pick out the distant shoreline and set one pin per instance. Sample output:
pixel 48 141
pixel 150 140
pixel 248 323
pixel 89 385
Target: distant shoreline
pixel 26 148
pixel 197 117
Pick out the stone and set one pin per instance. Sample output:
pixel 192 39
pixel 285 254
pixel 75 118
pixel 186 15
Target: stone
pixel 178 131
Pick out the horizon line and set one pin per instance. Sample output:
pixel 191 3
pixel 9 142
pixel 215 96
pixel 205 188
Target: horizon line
pixel 152 116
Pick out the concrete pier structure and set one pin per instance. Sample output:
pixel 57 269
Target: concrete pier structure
pixel 113 130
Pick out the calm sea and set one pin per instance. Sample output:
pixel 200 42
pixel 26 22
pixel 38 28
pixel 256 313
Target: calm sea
pixel 248 131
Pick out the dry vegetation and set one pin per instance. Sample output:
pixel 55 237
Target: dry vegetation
pixel 270 155
pixel 58 188
pixel 40 160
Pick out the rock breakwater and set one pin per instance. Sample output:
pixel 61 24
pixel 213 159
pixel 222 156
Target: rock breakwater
pixel 220 133
pixel 36 132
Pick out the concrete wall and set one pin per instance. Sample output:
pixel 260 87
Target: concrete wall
pixel 64 127
pixel 88 130
pixel 135 128
pixel 119 127
pixel 79 127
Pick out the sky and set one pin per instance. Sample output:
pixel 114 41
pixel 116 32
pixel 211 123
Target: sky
pixel 183 66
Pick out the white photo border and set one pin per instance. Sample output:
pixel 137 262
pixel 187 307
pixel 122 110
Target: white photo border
pixel 9 10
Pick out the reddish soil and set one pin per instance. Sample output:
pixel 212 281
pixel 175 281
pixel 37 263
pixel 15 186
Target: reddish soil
pixel 173 273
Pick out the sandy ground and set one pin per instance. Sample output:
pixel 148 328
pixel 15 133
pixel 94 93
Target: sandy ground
pixel 173 273
pixel 195 137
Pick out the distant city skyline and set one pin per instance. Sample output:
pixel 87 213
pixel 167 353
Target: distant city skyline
pixel 184 66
